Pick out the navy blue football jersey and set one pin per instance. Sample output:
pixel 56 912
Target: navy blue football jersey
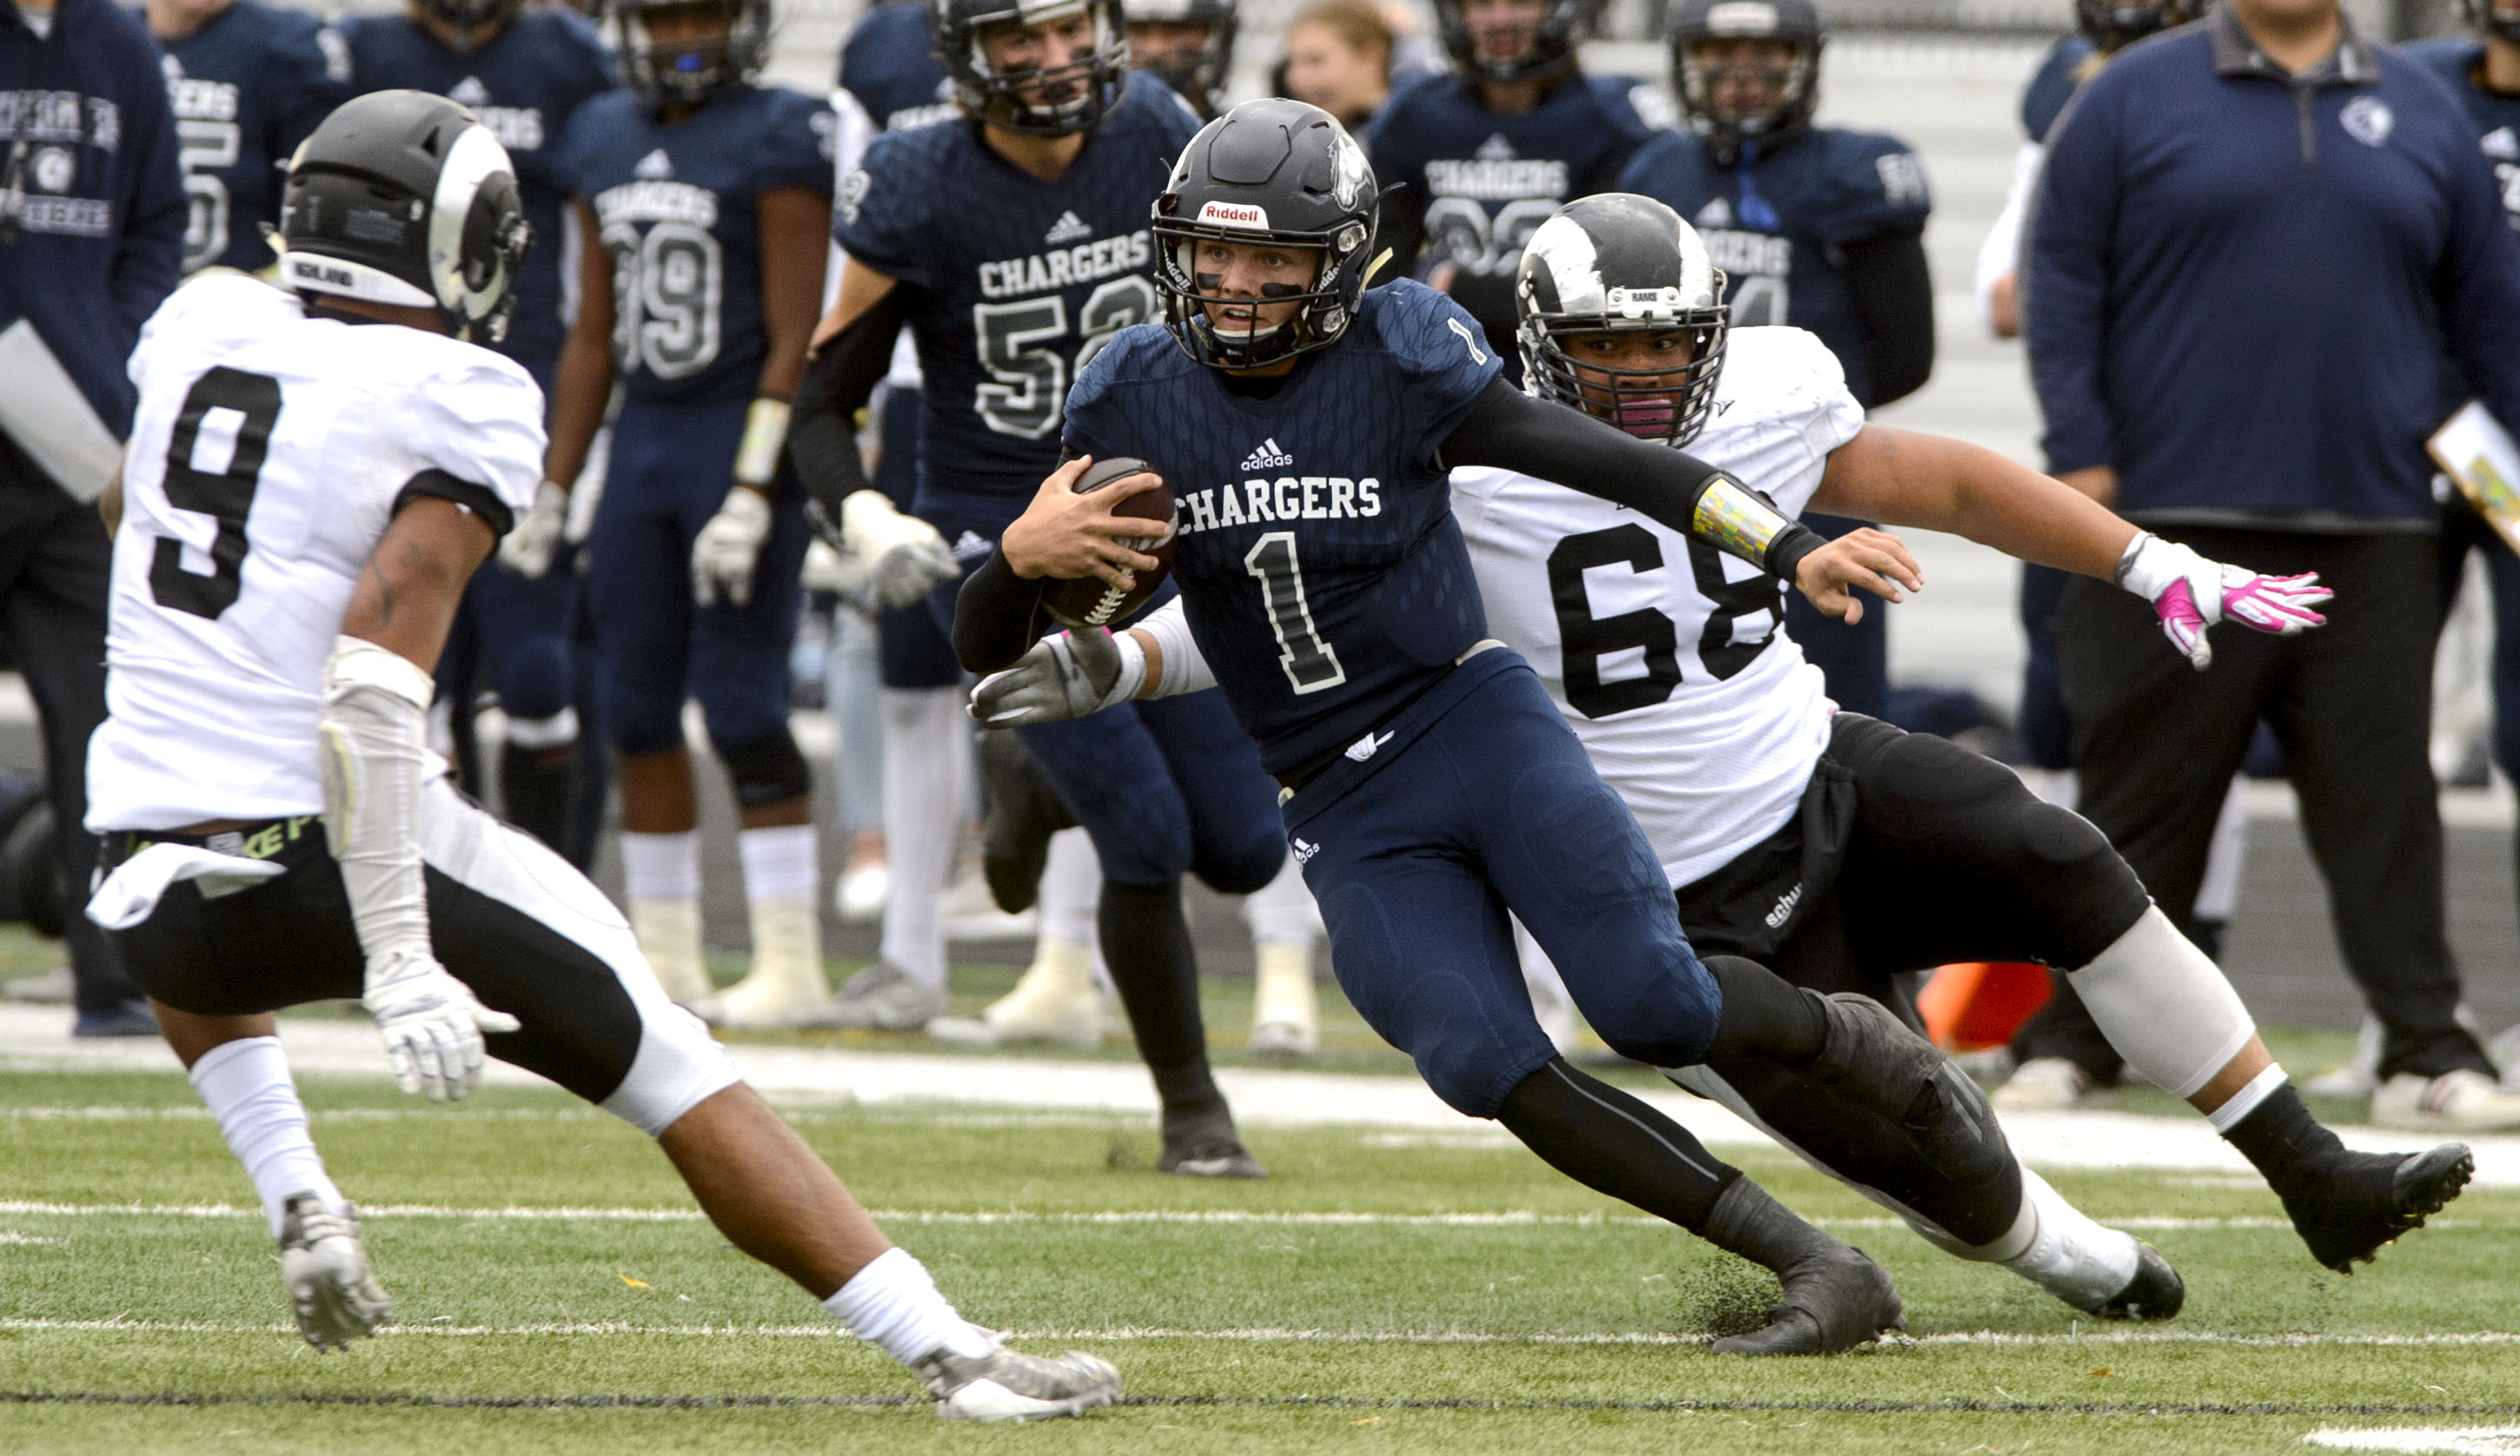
pixel 1775 222
pixel 526 83
pixel 1023 280
pixel 1488 180
pixel 2497 118
pixel 1324 575
pixel 2053 85
pixel 247 88
pixel 889 64
pixel 680 206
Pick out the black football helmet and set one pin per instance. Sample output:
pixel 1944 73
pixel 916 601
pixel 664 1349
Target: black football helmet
pixel 1200 81
pixel 402 197
pixel 2112 24
pixel 1616 262
pixel 1797 23
pixel 688 71
pixel 1268 171
pixel 1550 55
pixel 993 95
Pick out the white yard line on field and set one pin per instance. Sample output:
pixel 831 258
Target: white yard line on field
pixel 37 1038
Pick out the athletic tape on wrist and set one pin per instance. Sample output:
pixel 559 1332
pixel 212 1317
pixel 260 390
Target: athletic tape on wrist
pixel 765 434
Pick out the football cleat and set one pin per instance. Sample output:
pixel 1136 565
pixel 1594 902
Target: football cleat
pixel 882 997
pixel 1835 1299
pixel 1878 1062
pixel 325 1267
pixel 2155 1293
pixel 1203 1145
pixel 2049 1084
pixel 2347 1204
pixel 1007 1384
pixel 2460 1101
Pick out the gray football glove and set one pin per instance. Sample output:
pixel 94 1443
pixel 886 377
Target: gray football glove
pixel 1066 676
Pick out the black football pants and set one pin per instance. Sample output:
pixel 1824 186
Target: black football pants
pixel 54 563
pixel 2156 744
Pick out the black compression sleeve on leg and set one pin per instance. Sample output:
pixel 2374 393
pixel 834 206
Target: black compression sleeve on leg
pixel 1893 294
pixel 1866 1148
pixel 1511 430
pixel 1145 942
pixel 822 428
pixel 1612 1143
pixel 1765 1017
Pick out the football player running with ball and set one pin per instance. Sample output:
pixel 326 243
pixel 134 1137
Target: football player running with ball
pixel 311 481
pixel 1429 786
pixel 702 201
pixel 1014 244
pixel 1833 847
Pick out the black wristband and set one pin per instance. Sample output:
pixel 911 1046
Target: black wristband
pixel 1786 552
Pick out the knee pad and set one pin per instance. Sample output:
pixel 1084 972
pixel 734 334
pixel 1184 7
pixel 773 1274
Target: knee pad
pixel 677 1067
pixel 768 770
pixel 534 678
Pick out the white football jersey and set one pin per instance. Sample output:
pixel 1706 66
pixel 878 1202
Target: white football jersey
pixel 268 454
pixel 1667 656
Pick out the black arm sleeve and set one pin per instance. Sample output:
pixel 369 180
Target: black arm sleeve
pixel 1402 230
pixel 822 429
pixel 1894 306
pixel 1511 430
pixel 997 616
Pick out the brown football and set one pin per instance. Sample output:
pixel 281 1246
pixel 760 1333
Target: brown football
pixel 1091 603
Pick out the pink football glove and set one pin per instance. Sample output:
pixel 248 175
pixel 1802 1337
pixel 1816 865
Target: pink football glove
pixel 2190 594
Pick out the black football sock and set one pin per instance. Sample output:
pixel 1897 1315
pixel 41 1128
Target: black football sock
pixel 1146 944
pixel 534 786
pixel 1612 1143
pixel 1866 1148
pixel 1765 1017
pixel 2280 1134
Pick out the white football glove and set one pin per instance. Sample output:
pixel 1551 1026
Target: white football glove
pixel 1069 675
pixel 527 550
pixel 431 1024
pixel 909 558
pixel 728 547
pixel 829 569
pixel 2189 593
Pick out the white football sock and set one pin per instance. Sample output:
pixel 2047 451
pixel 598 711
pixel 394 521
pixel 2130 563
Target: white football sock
pixel 660 877
pixel 894 1305
pixel 2217 894
pixel 559 731
pixel 779 864
pixel 924 732
pixel 1551 1001
pixel 2165 1006
pixel 1071 887
pixel 247 1086
pixel 1282 912
pixel 2243 1102
pixel 780 879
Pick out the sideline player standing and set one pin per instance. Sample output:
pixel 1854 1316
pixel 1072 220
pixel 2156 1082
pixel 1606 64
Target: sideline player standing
pixel 1014 244
pixel 1829 845
pixel 1189 44
pixel 342 461
pixel 524 72
pixel 1814 226
pixel 702 202
pixel 1475 159
pixel 248 82
pixel 1428 785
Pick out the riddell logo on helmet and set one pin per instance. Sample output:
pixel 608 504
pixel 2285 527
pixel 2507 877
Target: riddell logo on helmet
pixel 1234 216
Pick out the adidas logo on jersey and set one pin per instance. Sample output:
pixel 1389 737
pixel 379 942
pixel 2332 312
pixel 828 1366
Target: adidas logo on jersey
pixel 1715 215
pixel 1269 456
pixel 1305 850
pixel 1495 149
pixel 469 92
pixel 653 166
pixel 1068 229
pixel 968 546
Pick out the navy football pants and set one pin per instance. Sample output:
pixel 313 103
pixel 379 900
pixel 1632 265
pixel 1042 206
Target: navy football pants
pixel 1481 802
pixel 671 466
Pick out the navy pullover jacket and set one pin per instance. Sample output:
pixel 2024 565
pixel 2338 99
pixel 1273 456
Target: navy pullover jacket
pixel 92 206
pixel 2245 287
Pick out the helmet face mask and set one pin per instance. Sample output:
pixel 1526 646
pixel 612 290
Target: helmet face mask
pixel 402 197
pixel 1746 71
pixel 1284 178
pixel 1201 55
pixel 688 65
pixel 471 20
pixel 1554 28
pixel 1614 268
pixel 1061 99
pixel 2113 25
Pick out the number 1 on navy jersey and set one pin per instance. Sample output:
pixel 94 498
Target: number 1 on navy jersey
pixel 1311 664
